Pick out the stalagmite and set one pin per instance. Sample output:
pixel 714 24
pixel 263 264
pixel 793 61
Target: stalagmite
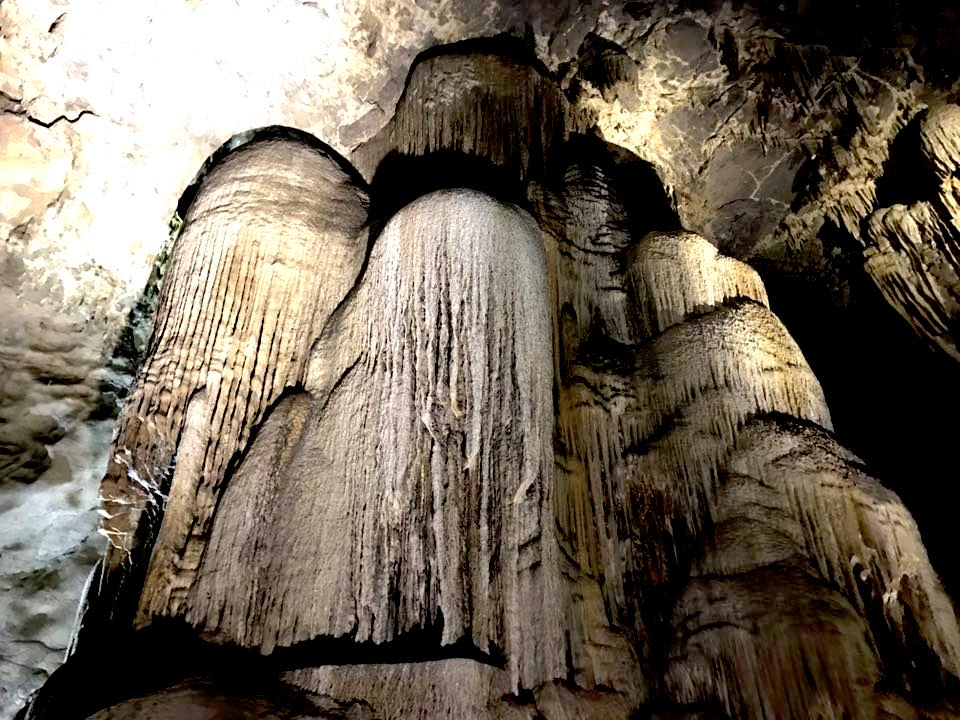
pixel 675 274
pixel 518 457
pixel 652 424
pixel 414 497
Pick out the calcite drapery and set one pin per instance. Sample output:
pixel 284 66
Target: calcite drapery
pixel 579 465
pixel 413 495
pixel 913 253
pixel 233 330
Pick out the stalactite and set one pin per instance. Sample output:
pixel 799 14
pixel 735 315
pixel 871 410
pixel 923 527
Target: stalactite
pixel 501 107
pixel 660 431
pixel 593 232
pixel 795 505
pixel 743 350
pixel 445 418
pixel 239 309
pixel 750 645
pixel 940 140
pixel 883 561
pixel 673 275
pixel 906 263
pixel 913 252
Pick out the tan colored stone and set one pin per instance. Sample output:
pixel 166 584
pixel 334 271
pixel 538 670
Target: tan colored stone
pixel 34 168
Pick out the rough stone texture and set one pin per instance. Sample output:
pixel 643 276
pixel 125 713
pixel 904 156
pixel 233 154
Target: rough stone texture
pixel 783 578
pixel 914 252
pixel 438 688
pixel 35 165
pixel 501 463
pixel 774 131
pixel 52 453
pixel 449 345
pixel 227 342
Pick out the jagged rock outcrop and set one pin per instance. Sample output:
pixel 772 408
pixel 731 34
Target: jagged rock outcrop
pixel 512 449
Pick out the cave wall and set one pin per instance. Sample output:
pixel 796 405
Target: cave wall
pixel 780 136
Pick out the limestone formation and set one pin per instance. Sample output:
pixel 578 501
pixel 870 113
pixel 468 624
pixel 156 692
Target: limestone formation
pixel 428 464
pixel 499 106
pixel 778 131
pixel 518 449
pixel 782 577
pixel 914 255
pixel 247 294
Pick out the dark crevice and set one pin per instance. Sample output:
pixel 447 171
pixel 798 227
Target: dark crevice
pixel 503 45
pixel 906 176
pixel 400 179
pixel 46 123
pixel 886 389
pixel 56 23
pixel 168 652
pixel 636 185
pixel 604 64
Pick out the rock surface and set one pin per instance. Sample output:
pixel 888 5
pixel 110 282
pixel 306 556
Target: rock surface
pixel 914 251
pixel 264 303
pixel 775 133
pixel 514 462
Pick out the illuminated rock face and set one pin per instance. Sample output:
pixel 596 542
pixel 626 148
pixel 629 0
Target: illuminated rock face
pixel 496 453
pixel 772 127
pixel 914 251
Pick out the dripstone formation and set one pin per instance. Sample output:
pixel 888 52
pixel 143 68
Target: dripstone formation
pixel 479 436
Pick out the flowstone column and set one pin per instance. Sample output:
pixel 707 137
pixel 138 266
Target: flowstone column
pixel 413 492
pixel 533 452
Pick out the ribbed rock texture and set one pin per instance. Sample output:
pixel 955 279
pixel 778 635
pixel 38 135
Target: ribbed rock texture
pixel 429 465
pixel 914 251
pixel 246 295
pixel 811 139
pixel 488 437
